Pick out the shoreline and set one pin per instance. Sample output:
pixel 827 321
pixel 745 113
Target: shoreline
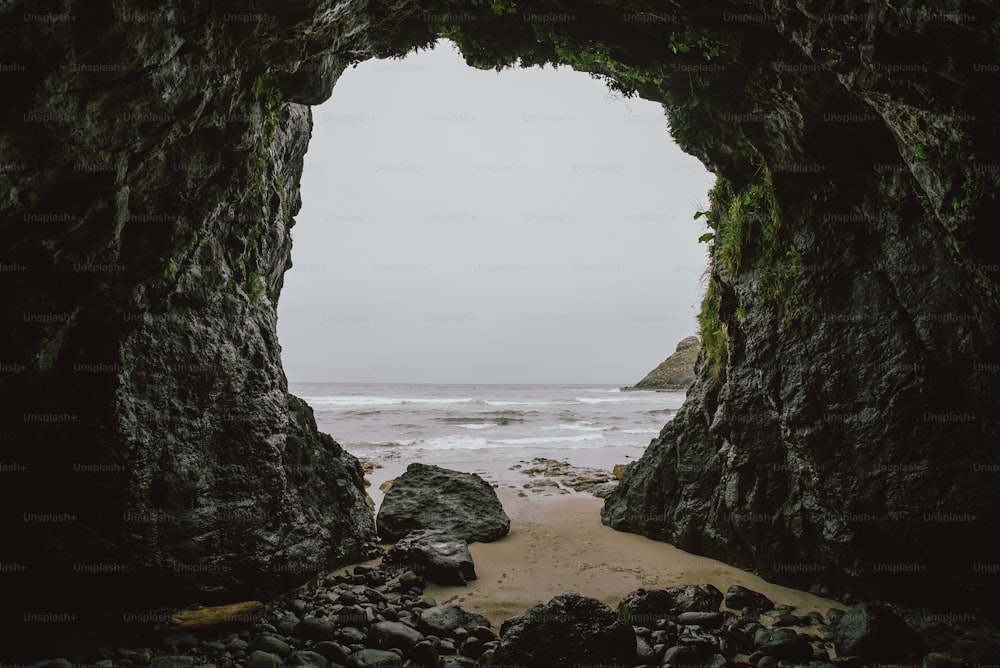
pixel 557 544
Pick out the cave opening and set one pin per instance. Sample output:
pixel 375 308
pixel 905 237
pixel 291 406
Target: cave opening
pixel 467 226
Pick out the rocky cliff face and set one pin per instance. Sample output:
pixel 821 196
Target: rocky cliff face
pixel 841 435
pixel 151 160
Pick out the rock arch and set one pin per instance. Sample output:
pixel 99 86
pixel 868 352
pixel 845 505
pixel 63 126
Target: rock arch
pixel 848 391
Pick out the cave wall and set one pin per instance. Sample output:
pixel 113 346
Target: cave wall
pixel 152 155
pixel 844 419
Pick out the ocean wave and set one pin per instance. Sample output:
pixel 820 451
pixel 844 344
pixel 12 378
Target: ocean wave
pixel 575 426
pixel 539 440
pixel 351 401
pixel 640 431
pixel 600 400
pixel 478 425
pixel 460 442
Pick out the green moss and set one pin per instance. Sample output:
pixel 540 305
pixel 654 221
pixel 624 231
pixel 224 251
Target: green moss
pixel 712 330
pixel 735 217
pixel 255 287
pixel 625 614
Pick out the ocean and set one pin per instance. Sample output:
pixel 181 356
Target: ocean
pixel 487 429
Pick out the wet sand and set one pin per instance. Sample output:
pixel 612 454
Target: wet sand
pixel 557 544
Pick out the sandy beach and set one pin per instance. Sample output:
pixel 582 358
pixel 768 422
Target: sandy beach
pixel 557 544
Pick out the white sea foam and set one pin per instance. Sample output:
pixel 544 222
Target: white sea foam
pixel 640 431
pixel 540 440
pixel 479 425
pixel 354 401
pixel 575 426
pixel 479 443
pixel 600 400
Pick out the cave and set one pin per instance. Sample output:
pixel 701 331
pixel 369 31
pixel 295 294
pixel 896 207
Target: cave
pixel 845 415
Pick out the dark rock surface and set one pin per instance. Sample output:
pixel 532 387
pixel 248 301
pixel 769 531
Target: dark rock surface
pixel 390 622
pixel 677 372
pixel 147 313
pixel 444 620
pixel 436 555
pixel 739 598
pixel 567 631
pixel 848 388
pixel 552 476
pixel 645 606
pixel 430 497
pixel 876 633
pixel 840 435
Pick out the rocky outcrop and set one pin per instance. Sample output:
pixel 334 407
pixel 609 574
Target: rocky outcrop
pixel 643 607
pixel 568 630
pixel 877 633
pixel 554 476
pixel 462 505
pixel 436 555
pixel 151 160
pixel 740 598
pixel 677 372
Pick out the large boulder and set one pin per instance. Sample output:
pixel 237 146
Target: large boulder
pixel 442 620
pixel 431 497
pixel 784 645
pixel 568 630
pixel 643 607
pixel 874 632
pixel 435 554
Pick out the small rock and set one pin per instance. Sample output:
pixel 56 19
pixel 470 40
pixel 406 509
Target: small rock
pixel 259 659
pixel 333 652
pixel 938 660
pixel 442 620
pixel 375 658
pixel 395 634
pixel 472 647
pixel 180 642
pixel 785 618
pixel 739 598
pixel 307 658
pixel 286 624
pixel 351 635
pixel 410 580
pixel 315 628
pixel 271 644
pixel 785 645
pixel 484 633
pixel 237 645
pixel 680 656
pixel 424 654
pixel 707 620
pixel 177 661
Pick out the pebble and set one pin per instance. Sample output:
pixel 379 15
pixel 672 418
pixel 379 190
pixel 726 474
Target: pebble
pixel 379 617
pixel 259 659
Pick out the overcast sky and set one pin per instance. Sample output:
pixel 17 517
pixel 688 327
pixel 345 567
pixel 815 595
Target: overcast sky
pixel 462 226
